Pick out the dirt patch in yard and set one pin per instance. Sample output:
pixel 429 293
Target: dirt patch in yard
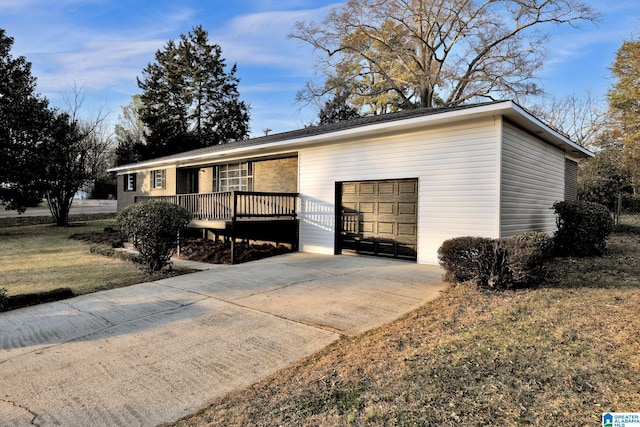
pixel 195 249
pixel 219 252
pixel 108 237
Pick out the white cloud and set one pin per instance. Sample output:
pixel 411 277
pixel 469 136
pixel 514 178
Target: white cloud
pixel 618 22
pixel 98 64
pixel 262 39
pixel 105 57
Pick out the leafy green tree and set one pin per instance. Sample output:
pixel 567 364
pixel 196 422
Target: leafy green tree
pixel 399 54
pixel 603 178
pixel 624 105
pixel 43 152
pixel 63 156
pixel 189 101
pixel 24 119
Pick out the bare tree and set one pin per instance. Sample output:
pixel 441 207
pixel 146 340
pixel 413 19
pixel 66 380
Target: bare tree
pixel 581 118
pixel 398 54
pixel 130 133
pixel 77 152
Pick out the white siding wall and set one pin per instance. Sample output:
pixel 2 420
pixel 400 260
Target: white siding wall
pixel 532 180
pixel 457 169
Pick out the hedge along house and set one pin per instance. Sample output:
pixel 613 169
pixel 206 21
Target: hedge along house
pixel 392 185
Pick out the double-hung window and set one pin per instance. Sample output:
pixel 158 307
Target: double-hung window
pixel 235 177
pixel 157 178
pixel 130 182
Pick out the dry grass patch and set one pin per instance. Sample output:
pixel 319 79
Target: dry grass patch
pixel 557 355
pixel 39 258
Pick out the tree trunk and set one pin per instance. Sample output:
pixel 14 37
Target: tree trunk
pixel 59 206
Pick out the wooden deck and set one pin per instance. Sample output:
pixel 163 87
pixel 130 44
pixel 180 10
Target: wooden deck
pixel 219 209
pixel 245 215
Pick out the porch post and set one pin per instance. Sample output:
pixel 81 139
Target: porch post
pixel 234 197
pixel 233 248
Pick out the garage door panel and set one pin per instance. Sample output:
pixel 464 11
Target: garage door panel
pixel 367 227
pixel 349 188
pixel 385 213
pixel 407 208
pixel 407 230
pixel 351 207
pixel 366 208
pixel 386 208
pixel 386 228
pixel 367 189
pixel 408 187
pixel 386 188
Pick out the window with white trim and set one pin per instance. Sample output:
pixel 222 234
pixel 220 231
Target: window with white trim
pixel 235 177
pixel 157 178
pixel 130 182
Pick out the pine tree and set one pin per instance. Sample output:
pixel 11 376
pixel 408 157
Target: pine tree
pixel 338 109
pixel 24 119
pixel 189 101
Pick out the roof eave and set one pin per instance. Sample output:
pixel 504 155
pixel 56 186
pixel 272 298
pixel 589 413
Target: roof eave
pixel 507 108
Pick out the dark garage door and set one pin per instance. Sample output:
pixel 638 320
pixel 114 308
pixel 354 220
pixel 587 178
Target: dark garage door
pixel 379 217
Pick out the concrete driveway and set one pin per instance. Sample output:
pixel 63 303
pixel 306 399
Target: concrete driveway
pixel 154 352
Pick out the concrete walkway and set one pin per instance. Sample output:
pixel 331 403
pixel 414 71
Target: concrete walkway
pixel 154 352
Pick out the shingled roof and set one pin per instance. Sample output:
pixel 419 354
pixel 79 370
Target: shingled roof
pixel 507 108
pixel 317 130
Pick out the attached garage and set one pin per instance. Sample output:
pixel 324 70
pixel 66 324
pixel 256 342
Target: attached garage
pixel 398 185
pixel 379 217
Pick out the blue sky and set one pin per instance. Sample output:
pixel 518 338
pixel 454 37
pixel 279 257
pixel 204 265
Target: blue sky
pixel 101 46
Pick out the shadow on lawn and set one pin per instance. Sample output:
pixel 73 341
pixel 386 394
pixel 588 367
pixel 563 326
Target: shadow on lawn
pixel 13 302
pixel 92 319
pixel 618 267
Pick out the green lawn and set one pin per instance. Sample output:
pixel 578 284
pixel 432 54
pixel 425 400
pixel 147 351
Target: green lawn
pixel 40 258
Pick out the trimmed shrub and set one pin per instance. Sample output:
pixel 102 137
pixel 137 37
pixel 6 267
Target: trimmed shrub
pixel 510 263
pixel 497 264
pixel 458 257
pixel 583 228
pixel 630 203
pixel 540 240
pixel 154 228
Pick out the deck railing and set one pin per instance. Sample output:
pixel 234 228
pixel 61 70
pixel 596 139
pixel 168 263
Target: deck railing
pixel 233 205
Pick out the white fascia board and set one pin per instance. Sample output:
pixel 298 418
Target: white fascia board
pixel 545 132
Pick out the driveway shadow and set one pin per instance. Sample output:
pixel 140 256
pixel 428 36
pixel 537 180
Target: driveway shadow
pixel 94 316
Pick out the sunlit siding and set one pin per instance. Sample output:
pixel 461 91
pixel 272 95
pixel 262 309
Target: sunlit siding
pixel 457 169
pixel 532 180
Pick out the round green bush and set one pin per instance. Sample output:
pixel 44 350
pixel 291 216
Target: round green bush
pixel 154 228
pixel 583 228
